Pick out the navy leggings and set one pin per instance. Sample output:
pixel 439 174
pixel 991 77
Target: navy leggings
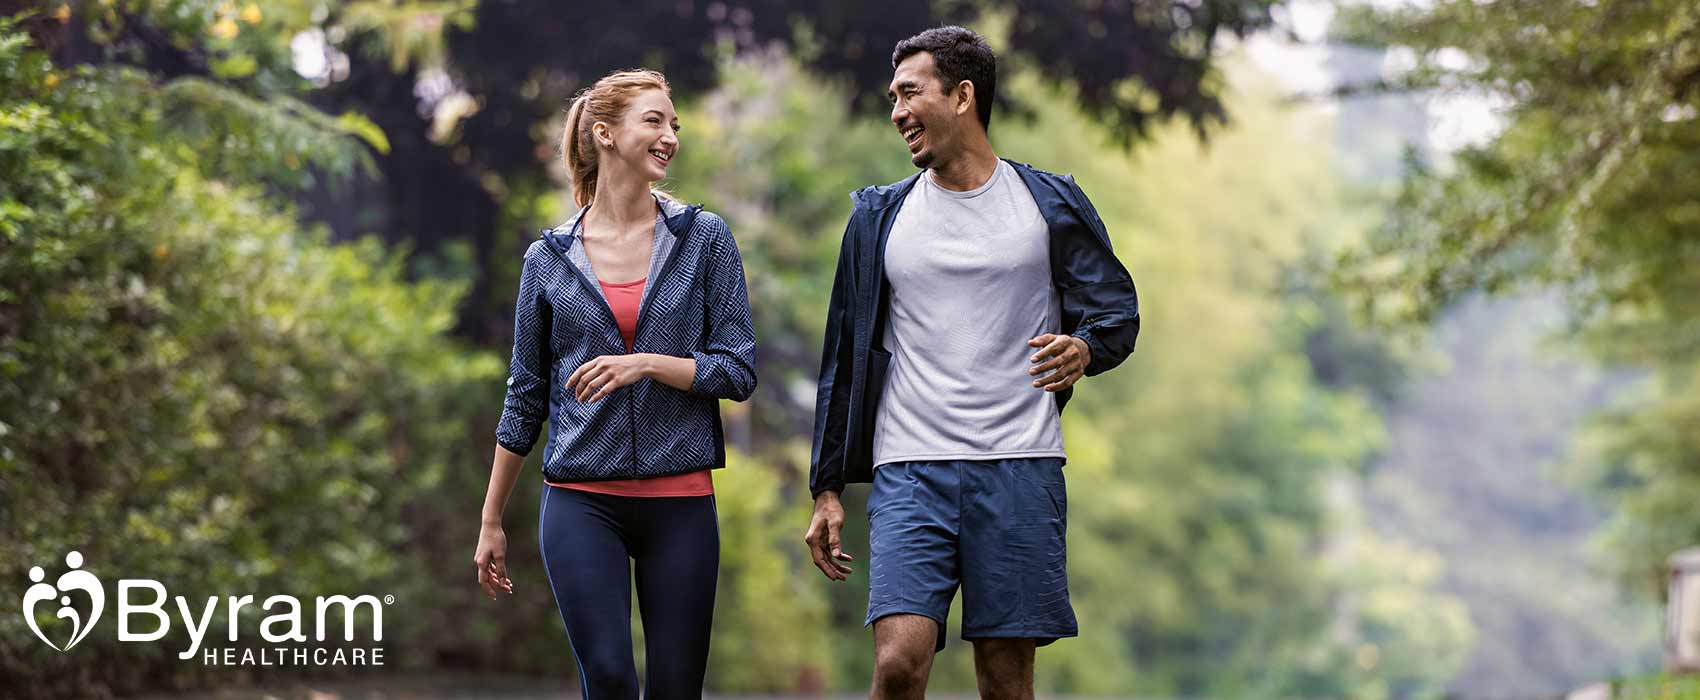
pixel 589 541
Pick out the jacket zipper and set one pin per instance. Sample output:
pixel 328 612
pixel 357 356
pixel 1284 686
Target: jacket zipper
pixel 643 313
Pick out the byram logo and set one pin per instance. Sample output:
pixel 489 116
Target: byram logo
pixel 74 580
pixel 141 605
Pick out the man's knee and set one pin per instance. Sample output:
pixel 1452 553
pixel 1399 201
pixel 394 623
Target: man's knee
pixel 901 667
pixel 903 651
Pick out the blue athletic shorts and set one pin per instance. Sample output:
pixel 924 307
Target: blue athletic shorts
pixel 993 527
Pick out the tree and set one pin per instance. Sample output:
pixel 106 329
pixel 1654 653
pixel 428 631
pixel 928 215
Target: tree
pixel 196 388
pixel 1585 191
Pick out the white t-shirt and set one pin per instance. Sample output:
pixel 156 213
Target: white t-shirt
pixel 970 276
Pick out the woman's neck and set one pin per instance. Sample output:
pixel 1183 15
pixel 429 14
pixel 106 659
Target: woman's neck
pixel 621 205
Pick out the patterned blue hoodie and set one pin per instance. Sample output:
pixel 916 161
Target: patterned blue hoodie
pixel 694 305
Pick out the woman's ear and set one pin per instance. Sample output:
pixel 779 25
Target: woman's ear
pixel 599 131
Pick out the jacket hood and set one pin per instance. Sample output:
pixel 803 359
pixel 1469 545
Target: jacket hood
pixel 882 196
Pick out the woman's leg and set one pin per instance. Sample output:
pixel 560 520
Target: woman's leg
pixel 678 561
pixel 585 553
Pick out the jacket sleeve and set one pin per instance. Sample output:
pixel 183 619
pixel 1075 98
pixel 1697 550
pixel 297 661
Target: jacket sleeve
pixel 527 403
pixel 726 365
pixel 1098 297
pixel 832 397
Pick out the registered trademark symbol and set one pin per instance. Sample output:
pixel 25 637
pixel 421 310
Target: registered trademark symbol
pixel 389 599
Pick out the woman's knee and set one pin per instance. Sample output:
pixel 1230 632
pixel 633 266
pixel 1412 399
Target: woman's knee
pixel 608 677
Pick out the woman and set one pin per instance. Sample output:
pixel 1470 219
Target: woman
pixel 632 322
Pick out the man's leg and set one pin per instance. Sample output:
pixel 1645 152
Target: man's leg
pixel 1014 569
pixel 1003 668
pixel 903 656
pixel 912 572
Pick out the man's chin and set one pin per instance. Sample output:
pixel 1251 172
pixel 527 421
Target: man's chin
pixel 922 160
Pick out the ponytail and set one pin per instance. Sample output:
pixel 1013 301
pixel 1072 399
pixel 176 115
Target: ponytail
pixel 574 145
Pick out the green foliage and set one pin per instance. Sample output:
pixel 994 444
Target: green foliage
pixel 1473 472
pixel 1662 687
pixel 250 42
pixel 770 616
pixel 196 390
pixel 1588 191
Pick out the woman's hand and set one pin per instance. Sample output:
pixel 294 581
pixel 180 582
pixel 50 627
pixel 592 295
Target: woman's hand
pixel 601 376
pixel 492 559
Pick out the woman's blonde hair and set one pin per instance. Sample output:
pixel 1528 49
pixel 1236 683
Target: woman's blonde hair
pixel 605 101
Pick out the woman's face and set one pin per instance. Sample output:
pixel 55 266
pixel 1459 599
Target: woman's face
pixel 647 137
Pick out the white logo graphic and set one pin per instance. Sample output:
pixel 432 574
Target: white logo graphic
pixel 283 626
pixel 74 580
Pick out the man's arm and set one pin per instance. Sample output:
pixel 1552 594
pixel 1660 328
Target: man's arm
pixel 1098 297
pixel 832 408
pixel 832 395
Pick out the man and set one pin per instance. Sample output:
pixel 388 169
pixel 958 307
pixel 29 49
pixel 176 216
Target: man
pixel 969 299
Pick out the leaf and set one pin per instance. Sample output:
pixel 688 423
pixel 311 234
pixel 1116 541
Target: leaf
pixel 358 125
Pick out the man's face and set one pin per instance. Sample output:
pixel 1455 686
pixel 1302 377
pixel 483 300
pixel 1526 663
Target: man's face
pixel 923 110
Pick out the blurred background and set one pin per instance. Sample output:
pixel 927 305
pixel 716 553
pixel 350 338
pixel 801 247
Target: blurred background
pixel 1414 412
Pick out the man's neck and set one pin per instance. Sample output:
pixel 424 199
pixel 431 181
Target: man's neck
pixel 969 170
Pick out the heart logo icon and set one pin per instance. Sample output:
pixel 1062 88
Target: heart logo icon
pixel 74 580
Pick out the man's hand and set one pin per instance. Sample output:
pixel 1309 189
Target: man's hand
pixel 600 376
pixel 822 537
pixel 1065 354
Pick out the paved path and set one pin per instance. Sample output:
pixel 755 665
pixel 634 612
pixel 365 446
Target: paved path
pixel 439 686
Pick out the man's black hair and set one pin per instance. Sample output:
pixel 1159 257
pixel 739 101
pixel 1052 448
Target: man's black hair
pixel 958 54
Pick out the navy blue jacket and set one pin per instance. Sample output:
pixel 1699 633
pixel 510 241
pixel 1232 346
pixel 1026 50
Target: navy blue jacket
pixel 696 307
pixel 1099 306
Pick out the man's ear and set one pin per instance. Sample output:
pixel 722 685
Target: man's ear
pixel 965 97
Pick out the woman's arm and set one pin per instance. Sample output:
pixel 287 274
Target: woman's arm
pixel 504 471
pixel 492 553
pixel 526 405
pixel 676 372
pixel 726 366
pixel 524 409
pixel 599 377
